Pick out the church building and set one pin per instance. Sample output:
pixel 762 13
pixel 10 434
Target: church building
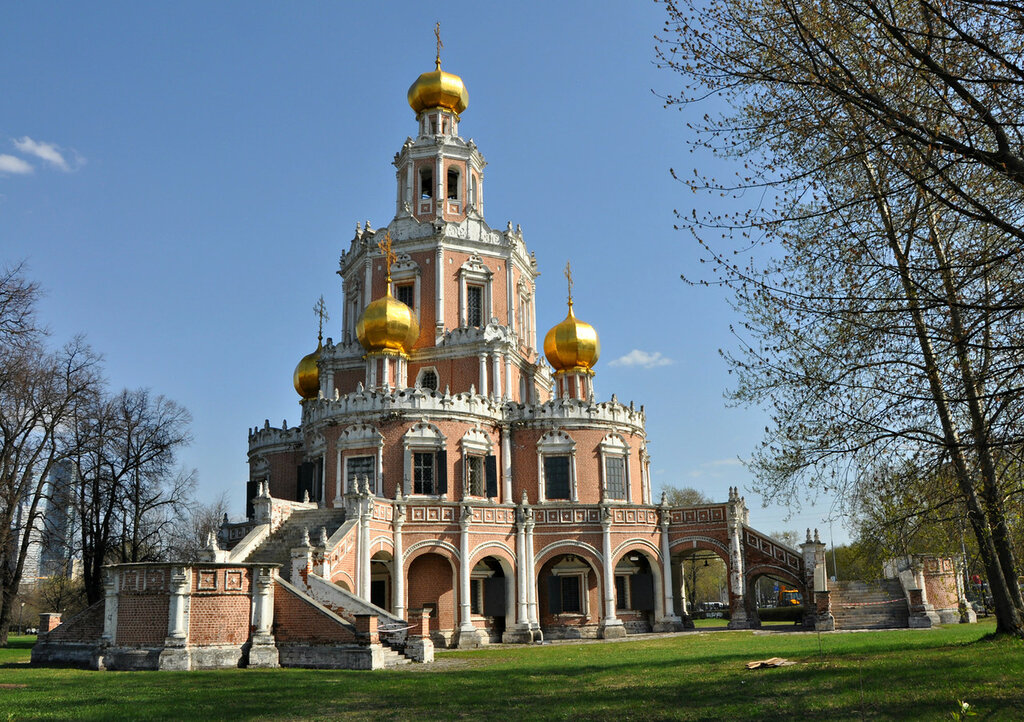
pixel 455 480
pixel 474 471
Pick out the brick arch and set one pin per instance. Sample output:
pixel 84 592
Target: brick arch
pixel 436 584
pixel 776 572
pixel 569 546
pixel 653 554
pixel 636 544
pixel 704 543
pixel 343 578
pixel 386 544
pixel 430 545
pixel 488 549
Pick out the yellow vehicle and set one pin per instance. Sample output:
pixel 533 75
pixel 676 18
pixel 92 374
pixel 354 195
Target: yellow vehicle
pixel 789 596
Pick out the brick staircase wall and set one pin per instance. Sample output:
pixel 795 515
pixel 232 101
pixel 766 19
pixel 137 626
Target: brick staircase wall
pixel 869 605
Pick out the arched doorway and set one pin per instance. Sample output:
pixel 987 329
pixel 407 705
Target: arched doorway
pixel 381 582
pixel 773 597
pixel 492 596
pixel 636 592
pixel 700 584
pixel 569 597
pixel 431 584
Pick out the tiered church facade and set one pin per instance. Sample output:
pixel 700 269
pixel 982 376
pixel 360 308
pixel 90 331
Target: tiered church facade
pixel 489 487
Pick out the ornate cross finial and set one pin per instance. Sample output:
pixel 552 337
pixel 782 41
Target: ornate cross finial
pixel 320 309
pixel 437 34
pixel 389 257
pixel 568 276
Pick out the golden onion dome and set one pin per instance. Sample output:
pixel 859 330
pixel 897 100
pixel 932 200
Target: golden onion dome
pixel 572 345
pixel 307 375
pixel 438 90
pixel 388 324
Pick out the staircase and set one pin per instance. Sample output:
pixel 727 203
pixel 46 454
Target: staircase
pixel 393 659
pixel 277 547
pixel 869 605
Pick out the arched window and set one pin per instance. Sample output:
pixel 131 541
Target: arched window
pixel 426 183
pixel 453 184
pixel 427 379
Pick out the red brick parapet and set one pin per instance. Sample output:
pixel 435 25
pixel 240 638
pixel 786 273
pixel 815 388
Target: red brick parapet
pixel 48 621
pixel 366 629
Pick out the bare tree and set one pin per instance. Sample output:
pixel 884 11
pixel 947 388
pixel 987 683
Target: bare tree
pixel 128 481
pixel 878 265
pixel 39 390
pixel 191 533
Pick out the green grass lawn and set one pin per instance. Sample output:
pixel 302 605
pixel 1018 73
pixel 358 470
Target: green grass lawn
pixel 901 674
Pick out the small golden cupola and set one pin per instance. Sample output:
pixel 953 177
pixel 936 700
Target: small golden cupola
pixel 388 330
pixel 438 89
pixel 572 348
pixel 307 373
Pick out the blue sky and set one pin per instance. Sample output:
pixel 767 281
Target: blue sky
pixel 181 178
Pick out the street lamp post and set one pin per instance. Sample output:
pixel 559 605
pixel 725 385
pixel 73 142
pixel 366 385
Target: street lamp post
pixel 21 619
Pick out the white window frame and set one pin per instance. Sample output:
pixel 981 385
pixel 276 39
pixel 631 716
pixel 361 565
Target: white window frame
pixel 581 571
pixel 474 273
pixel 404 271
pixel 615 446
pixel 556 443
pixel 422 438
pixel 359 437
pixel 422 372
pixel 476 443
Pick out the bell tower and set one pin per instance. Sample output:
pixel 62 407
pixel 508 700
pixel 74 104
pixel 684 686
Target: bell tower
pixel 440 175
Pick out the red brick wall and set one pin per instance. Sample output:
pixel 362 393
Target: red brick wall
pixel 283 473
pixel 220 606
pixel 297 620
pixel 430 582
pixel 142 618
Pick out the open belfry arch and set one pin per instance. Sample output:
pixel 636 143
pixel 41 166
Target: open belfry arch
pixel 455 479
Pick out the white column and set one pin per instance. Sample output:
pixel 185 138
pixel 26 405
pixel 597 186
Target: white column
pixel 482 388
pixel 466 624
pixel 738 593
pixel 522 575
pixel 506 464
pixel 531 576
pixel 379 471
pixel 510 295
pixel 397 565
pixel 607 570
pixel 439 194
pixel 496 373
pixel 371 362
pixel 368 286
pixel 338 478
pixel 365 503
pixel 666 571
pixel 263 602
pixel 111 580
pixel 177 628
pixel 508 376
pixel 439 292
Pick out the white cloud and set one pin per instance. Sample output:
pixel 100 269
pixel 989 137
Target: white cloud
pixel 49 152
pixel 643 359
pixel 12 164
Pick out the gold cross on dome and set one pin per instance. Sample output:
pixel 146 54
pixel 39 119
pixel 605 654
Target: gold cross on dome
pixel 437 34
pixel 568 276
pixel 389 256
pixel 320 309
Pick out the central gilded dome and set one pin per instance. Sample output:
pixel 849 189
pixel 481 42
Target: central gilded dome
pixel 388 324
pixel 438 90
pixel 572 345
